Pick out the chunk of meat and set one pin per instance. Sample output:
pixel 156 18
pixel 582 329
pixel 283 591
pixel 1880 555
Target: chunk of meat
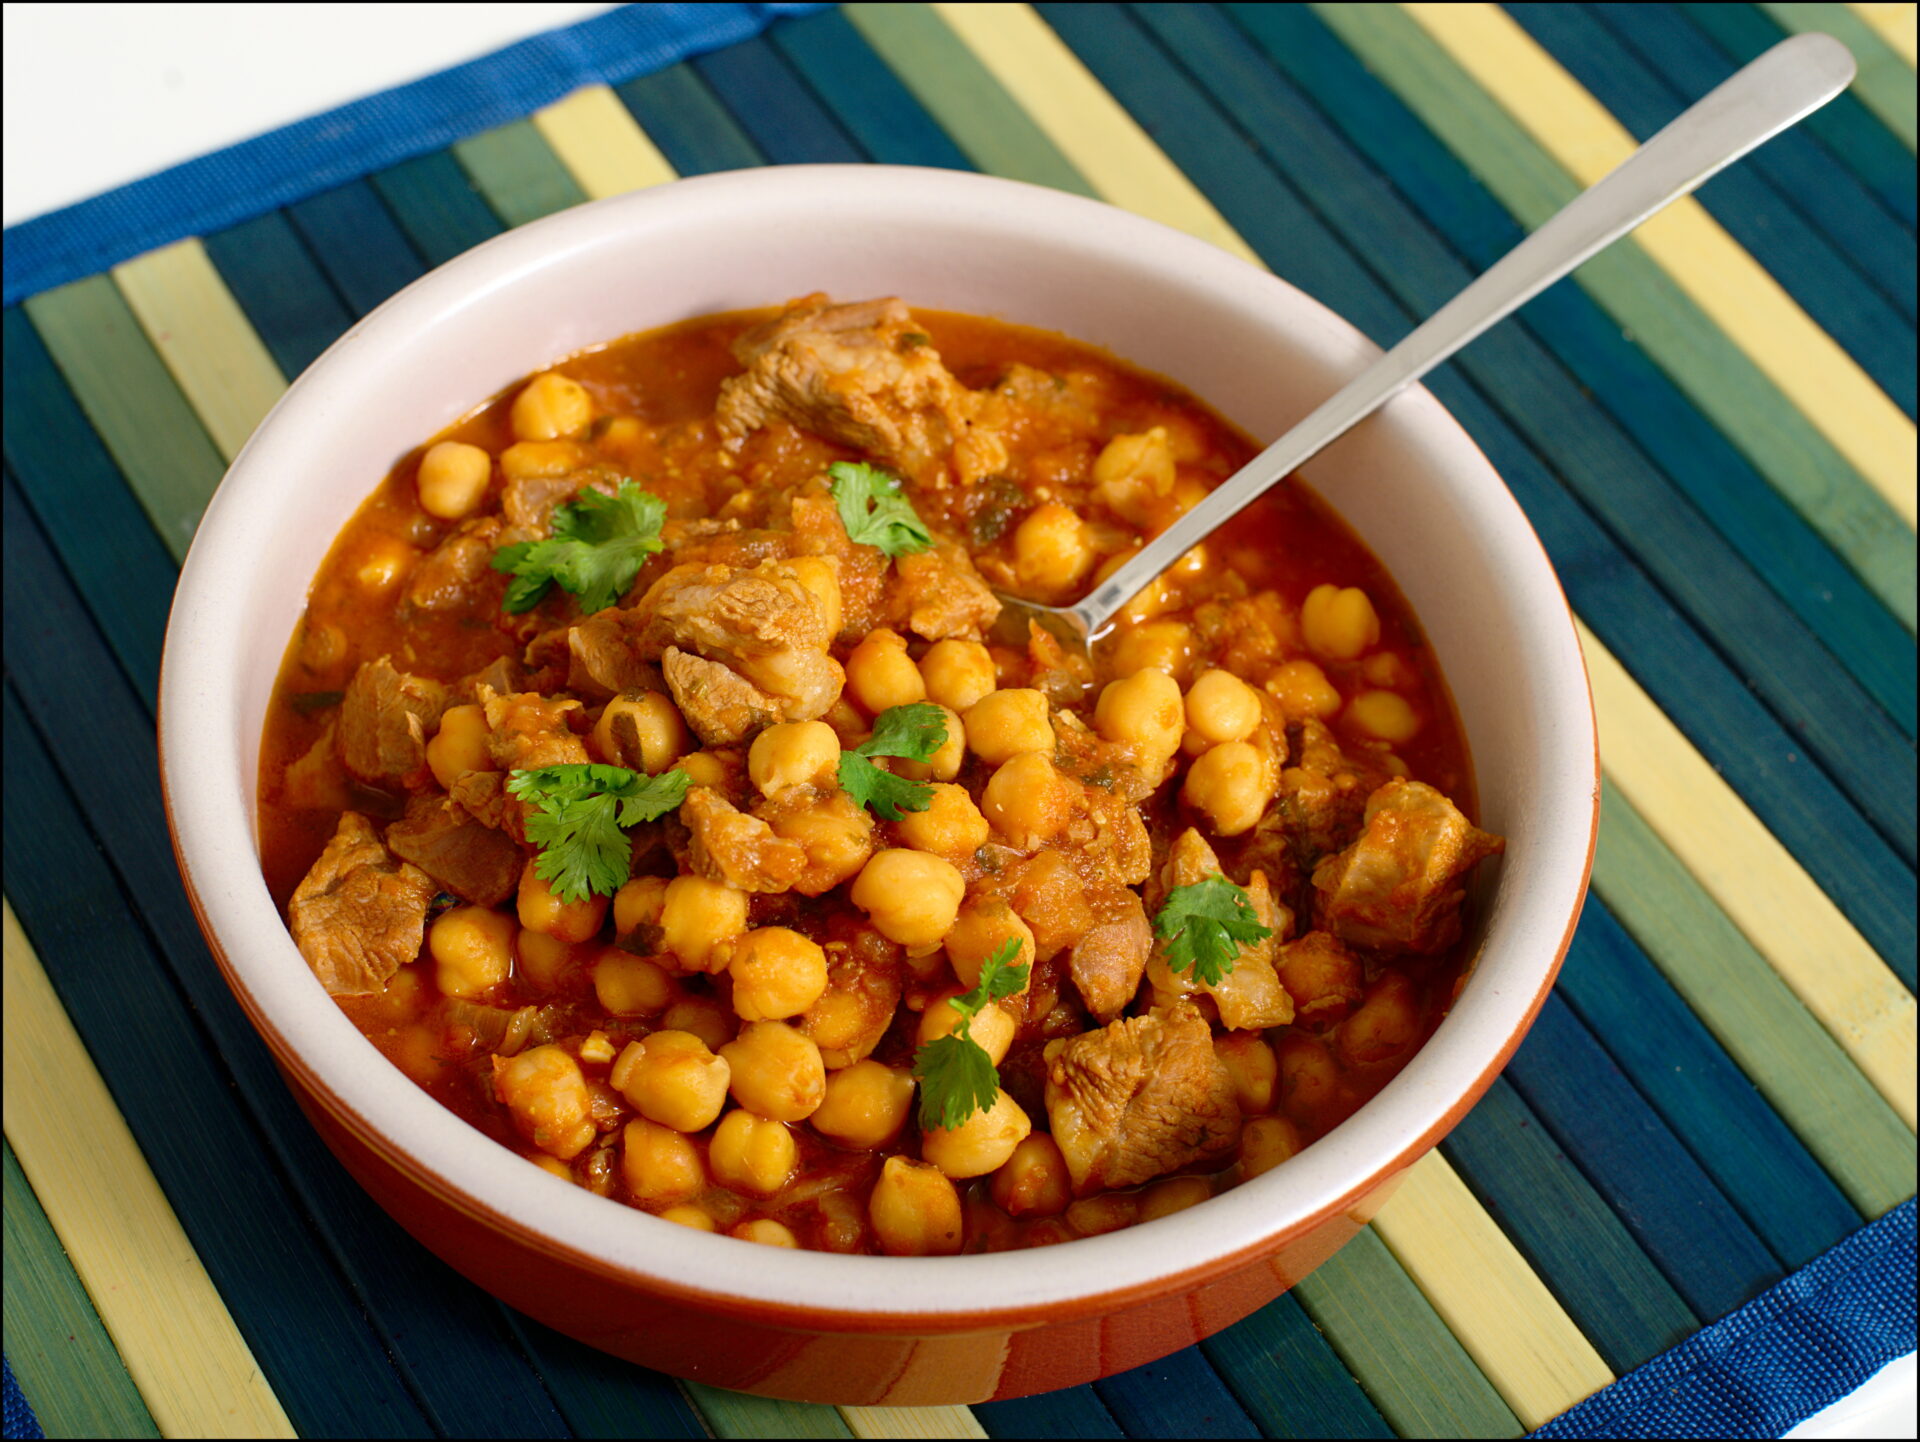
pixel 938 594
pixel 1139 1098
pixel 1400 885
pixel 527 501
pixel 360 914
pixel 462 853
pixel 384 719
pixel 721 706
pixel 1324 979
pixel 483 795
pixel 501 675
pixel 1250 997
pixel 730 846
pixel 862 571
pixel 1323 794
pixel 528 731
pixel 603 657
pixel 863 989
pixel 458 574
pixel 1106 960
pixel 864 375
pixel 1051 898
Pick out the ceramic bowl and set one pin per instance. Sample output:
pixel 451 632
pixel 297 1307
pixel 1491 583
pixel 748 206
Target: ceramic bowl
pixel 814 1325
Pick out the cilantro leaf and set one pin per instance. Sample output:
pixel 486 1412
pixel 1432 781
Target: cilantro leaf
pixel 957 1077
pixel 1205 925
pixel 873 510
pixel 598 545
pixel 913 732
pixel 580 809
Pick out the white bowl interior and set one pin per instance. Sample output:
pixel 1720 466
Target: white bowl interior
pixel 1409 481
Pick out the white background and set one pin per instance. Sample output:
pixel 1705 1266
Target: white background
pixel 98 95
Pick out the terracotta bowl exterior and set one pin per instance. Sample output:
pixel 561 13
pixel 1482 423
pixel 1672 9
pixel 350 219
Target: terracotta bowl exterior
pixel 804 1324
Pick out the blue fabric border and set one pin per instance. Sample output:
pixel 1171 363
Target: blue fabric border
pixel 1801 1345
pixel 199 196
pixel 20 1421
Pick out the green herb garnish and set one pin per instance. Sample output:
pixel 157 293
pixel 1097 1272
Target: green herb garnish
pixel 873 510
pixel 579 810
pixel 957 1077
pixel 1205 925
pixel 912 732
pixel 598 545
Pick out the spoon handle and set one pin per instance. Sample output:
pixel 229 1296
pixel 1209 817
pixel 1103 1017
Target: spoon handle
pixel 1791 80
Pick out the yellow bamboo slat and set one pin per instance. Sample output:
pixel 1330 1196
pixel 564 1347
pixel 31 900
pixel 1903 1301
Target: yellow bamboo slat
pixel 1811 369
pixel 912 1422
pixel 1894 23
pixel 601 145
pixel 1087 124
pixel 194 1370
pixel 1755 880
pixel 1490 1299
pixel 204 338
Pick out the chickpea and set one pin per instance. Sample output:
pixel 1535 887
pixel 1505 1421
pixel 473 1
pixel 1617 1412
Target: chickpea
pixel 1310 1090
pixel 849 726
pixel 552 1166
pixel 1033 1182
pixel 644 732
pixel 1323 978
pixel 1175 1194
pixel 1132 473
pixel 910 896
pixel 1338 622
pixel 752 1154
pixel 957 673
pixel 982 927
pixel 944 764
pixel 794 753
pixel 776 974
pixel 1108 1212
pixel 1004 723
pixel 696 916
pixel 1143 709
pixel 1386 1024
pixel 639 903
pixel 452 479
pixel 880 674
pixel 821 576
pixel 540 960
pixel 1159 645
pixel 629 985
pixel 1028 801
pixel 472 949
pixel 866 1105
pixel 703 768
pixel 672 1078
pixel 706 1017
pixel 1250 1063
pixel 1385 715
pixel 1222 707
pixel 542 910
pixel 661 1166
pixel 1302 689
pixel 777 1071
pixel 1052 550
pixel 550 406
pixel 687 1215
pixel 1265 1142
pixel 992 1028
pixel 950 826
pixel 765 1231
pixel 541 460
pixel 1388 669
pixel 1230 786
pixel 548 1099
pixel 980 1144
pixel 459 746
pixel 385 562
pixel 836 832
pixel 915 1210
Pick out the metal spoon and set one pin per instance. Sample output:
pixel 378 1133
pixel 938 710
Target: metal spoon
pixel 1790 81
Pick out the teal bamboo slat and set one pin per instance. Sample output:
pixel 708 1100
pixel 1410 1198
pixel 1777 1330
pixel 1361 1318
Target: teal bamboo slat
pixel 686 120
pixel 515 169
pixel 866 97
pixel 132 402
pixel 784 118
pixel 1779 441
pixel 1292 1383
pixel 1885 82
pixel 436 206
pixel 1809 1080
pixel 63 1359
pixel 1388 1335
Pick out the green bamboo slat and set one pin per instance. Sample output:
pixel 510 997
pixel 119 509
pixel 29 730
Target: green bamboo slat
pixel 132 402
pixel 959 92
pixel 1885 81
pixel 1782 1048
pixel 1709 368
pixel 517 172
pixel 736 1414
pixel 66 1364
pixel 1388 1335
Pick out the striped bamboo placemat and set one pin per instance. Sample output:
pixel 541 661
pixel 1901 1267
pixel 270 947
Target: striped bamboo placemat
pixel 1711 427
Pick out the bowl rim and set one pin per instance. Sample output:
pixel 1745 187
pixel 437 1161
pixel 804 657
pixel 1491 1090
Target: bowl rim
pixel 434 1149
